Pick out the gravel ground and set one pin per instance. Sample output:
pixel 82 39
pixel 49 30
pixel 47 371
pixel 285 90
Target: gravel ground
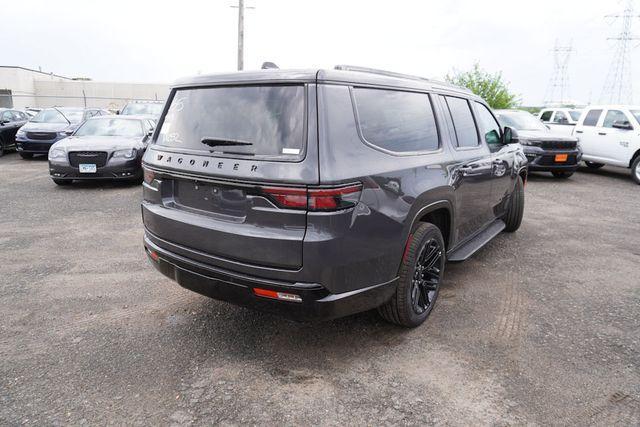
pixel 540 327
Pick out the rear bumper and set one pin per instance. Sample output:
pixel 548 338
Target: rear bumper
pixel 317 302
pixel 544 160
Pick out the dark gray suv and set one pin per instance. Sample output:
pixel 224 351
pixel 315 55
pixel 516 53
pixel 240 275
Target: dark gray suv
pixel 321 193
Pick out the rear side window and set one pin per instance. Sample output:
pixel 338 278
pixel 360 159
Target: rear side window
pixel 463 123
pixel 401 122
pixel 241 121
pixel 592 117
pixel 560 117
pixel 546 116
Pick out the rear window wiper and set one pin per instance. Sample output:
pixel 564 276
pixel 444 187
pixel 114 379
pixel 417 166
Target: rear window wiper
pixel 224 142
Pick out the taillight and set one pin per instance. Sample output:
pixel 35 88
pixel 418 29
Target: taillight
pixel 328 199
pixel 314 199
pixel 286 197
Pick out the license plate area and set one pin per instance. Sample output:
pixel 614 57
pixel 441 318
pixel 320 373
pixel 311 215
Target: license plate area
pixel 561 158
pixel 87 168
pixel 212 198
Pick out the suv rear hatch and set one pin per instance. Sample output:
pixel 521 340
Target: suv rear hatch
pixel 228 171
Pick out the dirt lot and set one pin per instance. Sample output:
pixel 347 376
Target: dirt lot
pixel 541 327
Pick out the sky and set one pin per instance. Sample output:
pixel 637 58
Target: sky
pixel 158 42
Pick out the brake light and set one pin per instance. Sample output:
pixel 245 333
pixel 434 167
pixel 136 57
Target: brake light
pixel 314 199
pixel 287 197
pixel 327 199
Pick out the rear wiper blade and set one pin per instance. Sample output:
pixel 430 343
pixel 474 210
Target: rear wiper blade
pixel 217 142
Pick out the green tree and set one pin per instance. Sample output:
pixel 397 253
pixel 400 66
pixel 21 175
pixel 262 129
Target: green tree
pixel 489 87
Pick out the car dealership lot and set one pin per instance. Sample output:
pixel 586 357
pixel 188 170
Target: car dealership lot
pixel 540 326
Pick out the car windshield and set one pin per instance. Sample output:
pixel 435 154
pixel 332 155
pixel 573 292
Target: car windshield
pixel 50 116
pixel 636 114
pixel 266 121
pixel 521 121
pixel 110 127
pixel 154 109
pixel 575 115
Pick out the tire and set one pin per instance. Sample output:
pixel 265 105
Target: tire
pixel 513 218
pixel 26 155
pixel 562 174
pixel 635 170
pixel 593 165
pixel 62 181
pixel 422 269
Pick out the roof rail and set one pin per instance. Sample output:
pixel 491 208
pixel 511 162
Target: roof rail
pixel 379 72
pixel 401 76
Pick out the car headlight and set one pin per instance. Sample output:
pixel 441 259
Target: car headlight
pixel 57 154
pixel 125 154
pixel 530 142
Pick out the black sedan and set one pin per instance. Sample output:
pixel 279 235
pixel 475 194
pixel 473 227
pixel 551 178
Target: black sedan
pixel 106 147
pixel 10 122
pixel 547 151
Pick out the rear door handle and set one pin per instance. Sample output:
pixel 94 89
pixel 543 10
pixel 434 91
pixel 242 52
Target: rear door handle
pixel 579 131
pixel 602 133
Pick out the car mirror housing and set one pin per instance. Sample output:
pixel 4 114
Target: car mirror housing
pixel 510 136
pixel 622 124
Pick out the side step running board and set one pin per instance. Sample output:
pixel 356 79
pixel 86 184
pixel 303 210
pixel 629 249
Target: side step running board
pixel 481 239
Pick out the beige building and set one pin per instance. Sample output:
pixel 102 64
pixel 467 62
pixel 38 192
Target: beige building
pixel 23 87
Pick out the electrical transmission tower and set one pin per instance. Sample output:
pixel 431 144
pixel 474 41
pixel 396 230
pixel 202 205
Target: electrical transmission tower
pixel 558 89
pixel 618 88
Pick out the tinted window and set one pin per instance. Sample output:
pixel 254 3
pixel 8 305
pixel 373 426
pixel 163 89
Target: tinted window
pixel 463 123
pixel 7 116
pixel 489 127
pixel 592 117
pixel 396 121
pixel 546 116
pixel 265 121
pixel 612 117
pixel 560 117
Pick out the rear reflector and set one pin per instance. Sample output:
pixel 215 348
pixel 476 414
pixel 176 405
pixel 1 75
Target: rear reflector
pixel 283 296
pixel 314 199
pixel 154 255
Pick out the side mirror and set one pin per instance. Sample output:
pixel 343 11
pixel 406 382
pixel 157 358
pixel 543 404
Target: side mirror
pixel 148 135
pixel 510 136
pixel 4 122
pixel 622 124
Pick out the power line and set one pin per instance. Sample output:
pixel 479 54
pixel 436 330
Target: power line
pixel 618 88
pixel 558 88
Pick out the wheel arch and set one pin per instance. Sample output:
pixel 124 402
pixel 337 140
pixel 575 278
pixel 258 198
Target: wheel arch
pixel 438 213
pixel 634 157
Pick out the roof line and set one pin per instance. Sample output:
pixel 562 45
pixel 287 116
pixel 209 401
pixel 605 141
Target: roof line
pixel 35 71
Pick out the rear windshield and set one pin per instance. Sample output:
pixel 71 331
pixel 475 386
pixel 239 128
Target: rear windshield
pixel 242 121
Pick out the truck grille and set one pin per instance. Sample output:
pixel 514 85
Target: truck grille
pixel 99 158
pixel 42 136
pixel 558 145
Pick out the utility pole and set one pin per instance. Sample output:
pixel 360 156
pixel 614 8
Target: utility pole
pixel 240 35
pixel 558 88
pixel 241 7
pixel 618 88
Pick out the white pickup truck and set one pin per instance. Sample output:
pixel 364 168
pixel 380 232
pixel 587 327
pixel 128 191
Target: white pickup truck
pixel 560 120
pixel 610 135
